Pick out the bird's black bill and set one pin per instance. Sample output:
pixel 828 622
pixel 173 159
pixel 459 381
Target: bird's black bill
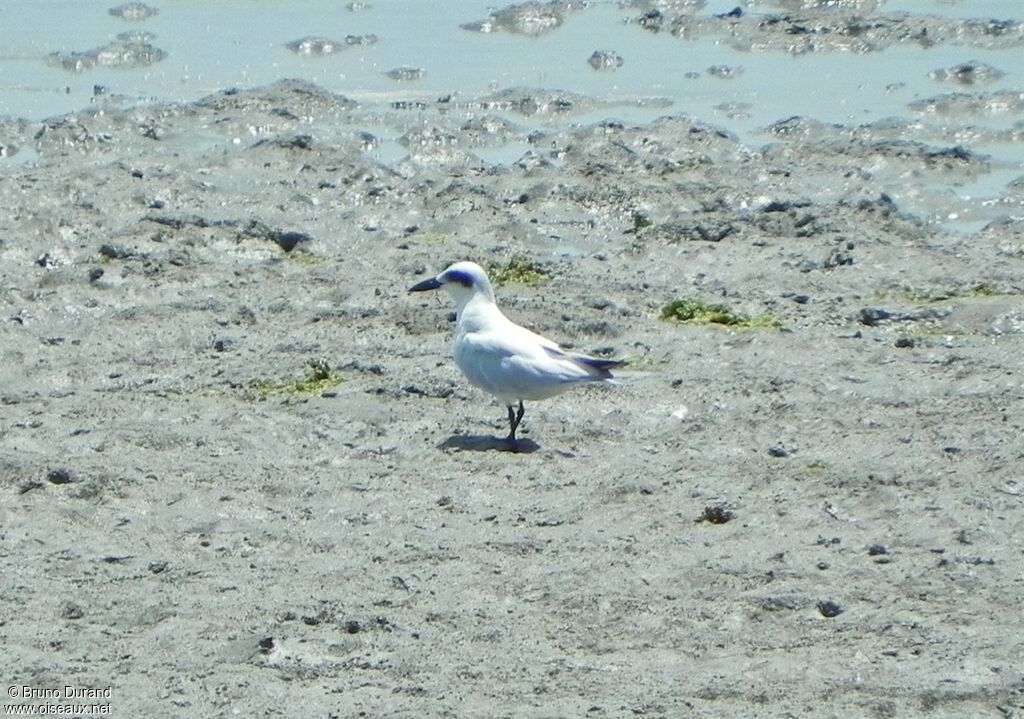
pixel 432 284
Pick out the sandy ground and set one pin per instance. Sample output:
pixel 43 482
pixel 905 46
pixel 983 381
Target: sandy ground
pixel 181 523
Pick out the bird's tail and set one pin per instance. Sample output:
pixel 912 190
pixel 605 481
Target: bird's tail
pixel 598 369
pixel 601 368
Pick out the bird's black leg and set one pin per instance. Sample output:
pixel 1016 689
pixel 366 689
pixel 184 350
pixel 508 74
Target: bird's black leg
pixel 514 418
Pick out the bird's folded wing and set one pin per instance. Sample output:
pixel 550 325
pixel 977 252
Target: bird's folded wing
pixel 511 366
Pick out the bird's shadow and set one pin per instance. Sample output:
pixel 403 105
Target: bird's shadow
pixel 487 443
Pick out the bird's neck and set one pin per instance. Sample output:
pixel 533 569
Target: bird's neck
pixel 476 313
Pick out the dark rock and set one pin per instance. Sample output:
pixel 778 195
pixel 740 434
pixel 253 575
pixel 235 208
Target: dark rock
pixel 177 222
pixel 957 152
pixel 873 316
pixel 785 205
pixel 829 608
pixel 735 13
pixel 116 252
pixel 60 476
pixel 435 393
pixel 299 141
pixel 287 240
pixel 360 366
pixel 716 514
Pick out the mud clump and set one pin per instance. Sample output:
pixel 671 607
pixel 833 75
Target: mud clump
pixel 1005 102
pixel 122 54
pixel 605 60
pixel 406 74
pixel 968 73
pixel 314 46
pixel 529 18
pixel 133 11
pixel 833 27
pixel 725 72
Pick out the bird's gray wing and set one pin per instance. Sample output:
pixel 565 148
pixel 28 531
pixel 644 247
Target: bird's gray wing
pixel 511 368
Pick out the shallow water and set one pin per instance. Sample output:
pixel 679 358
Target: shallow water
pixel 999 9
pixel 216 45
pixel 211 46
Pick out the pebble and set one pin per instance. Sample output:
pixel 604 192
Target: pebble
pixel 829 608
pixel 60 476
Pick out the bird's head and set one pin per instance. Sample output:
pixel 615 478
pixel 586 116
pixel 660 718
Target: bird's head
pixel 463 281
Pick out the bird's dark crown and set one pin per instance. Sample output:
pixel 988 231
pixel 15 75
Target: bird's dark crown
pixel 459 277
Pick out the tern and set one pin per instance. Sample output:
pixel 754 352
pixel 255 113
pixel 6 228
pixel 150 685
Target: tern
pixel 502 358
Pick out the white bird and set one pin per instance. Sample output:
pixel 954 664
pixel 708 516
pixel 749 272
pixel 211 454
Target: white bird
pixel 500 357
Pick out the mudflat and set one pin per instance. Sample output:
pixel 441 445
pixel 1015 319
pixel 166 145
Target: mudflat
pixel 240 474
